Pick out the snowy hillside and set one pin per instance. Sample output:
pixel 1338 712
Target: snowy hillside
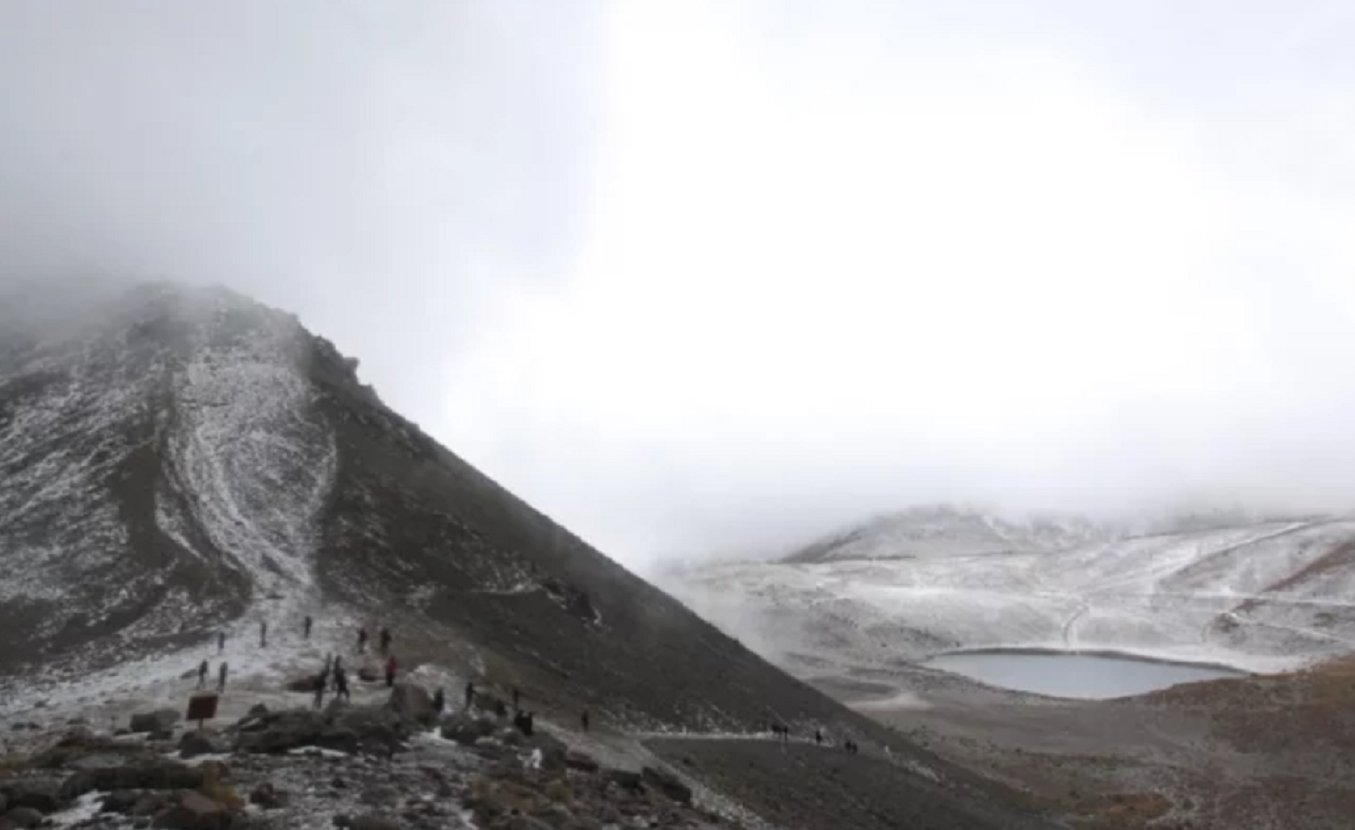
pixel 945 530
pixel 1258 596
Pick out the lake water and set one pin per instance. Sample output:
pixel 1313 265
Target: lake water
pixel 1073 674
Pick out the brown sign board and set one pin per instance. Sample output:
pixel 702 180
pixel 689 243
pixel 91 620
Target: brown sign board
pixel 202 707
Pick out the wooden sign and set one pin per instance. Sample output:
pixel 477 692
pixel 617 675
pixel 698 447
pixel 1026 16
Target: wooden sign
pixel 202 707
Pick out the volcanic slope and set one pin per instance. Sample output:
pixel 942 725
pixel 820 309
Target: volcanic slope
pixel 179 462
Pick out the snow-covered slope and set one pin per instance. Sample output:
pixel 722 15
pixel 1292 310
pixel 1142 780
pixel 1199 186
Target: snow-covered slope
pixel 947 530
pixel 1259 596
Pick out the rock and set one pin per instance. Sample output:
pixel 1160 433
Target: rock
pixel 201 742
pixel 466 730
pixel 372 821
pixel 41 794
pixel 258 710
pixel 412 702
pixel 144 775
pixel 581 762
pixel 23 817
pixel 668 784
pixel 268 797
pixel 160 720
pixel 367 674
pixel 194 811
pixel 625 779
pixel 120 801
pixel 76 736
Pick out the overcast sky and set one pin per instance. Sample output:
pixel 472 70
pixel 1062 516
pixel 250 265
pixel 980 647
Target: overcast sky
pixel 715 276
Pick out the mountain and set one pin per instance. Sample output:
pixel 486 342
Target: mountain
pixel 182 461
pixel 1262 595
pixel 948 530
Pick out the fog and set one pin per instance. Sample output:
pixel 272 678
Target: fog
pixel 709 278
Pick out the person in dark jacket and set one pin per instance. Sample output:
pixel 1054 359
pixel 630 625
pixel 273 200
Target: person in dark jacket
pixel 221 677
pixel 584 720
pixel 306 627
pixel 341 685
pixel 470 693
pixel 439 701
pixel 362 640
pixel 390 671
pixel 220 641
pixel 202 674
pixel 385 640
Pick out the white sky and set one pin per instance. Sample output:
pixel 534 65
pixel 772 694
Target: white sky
pixel 701 277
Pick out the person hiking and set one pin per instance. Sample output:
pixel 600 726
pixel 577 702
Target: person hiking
pixel 500 710
pixel 202 674
pixel 818 737
pixel 341 685
pixel 583 720
pixel 390 671
pixel 385 640
pixel 221 677
pixel 470 693
pixel 439 701
pixel 517 699
pixel 321 681
pixel 306 625
pixel 263 634
pixel 362 640
pixel 220 641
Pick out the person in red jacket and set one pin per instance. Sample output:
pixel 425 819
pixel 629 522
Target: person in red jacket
pixel 390 671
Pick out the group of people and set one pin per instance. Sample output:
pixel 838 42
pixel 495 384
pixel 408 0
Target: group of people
pixel 204 667
pixel 781 732
pixel 333 674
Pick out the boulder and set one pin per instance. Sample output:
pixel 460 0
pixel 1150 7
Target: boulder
pixel 625 779
pixel 301 684
pixel 412 702
pixel 668 784
pixel 41 794
pixel 268 797
pixel 119 801
pixel 367 674
pixel 258 710
pixel 156 774
pixel 201 742
pixel 581 762
pixel 465 729
pixel 161 720
pixel 22 817
pixel 194 811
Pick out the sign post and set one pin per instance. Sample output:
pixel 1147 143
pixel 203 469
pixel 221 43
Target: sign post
pixel 202 707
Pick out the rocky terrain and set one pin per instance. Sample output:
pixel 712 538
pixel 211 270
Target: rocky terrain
pixel 181 464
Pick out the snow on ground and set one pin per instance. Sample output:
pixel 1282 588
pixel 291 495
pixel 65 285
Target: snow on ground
pixel 1263 597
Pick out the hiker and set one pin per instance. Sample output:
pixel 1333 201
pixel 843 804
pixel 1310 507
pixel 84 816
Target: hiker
pixel 341 685
pixel 320 682
pixel 500 710
pixel 362 640
pixel 517 699
pixel 263 634
pixel 470 693
pixel 202 674
pixel 329 665
pixel 221 677
pixel 385 640
pixel 390 671
pixel 530 719
pixel 307 626
pixel 439 701
pixel 220 641
pixel 583 720
pixel 337 669
pixel 818 737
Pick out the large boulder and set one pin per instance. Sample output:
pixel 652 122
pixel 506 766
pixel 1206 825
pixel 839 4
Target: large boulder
pixel 412 702
pixel 581 762
pixel 41 794
pixel 465 729
pixel 157 774
pixel 375 730
pixel 194 811
pixel 161 720
pixel 668 784
pixel 553 750
pixel 21 817
pixel 202 742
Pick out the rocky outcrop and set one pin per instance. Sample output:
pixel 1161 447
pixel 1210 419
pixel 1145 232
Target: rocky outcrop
pixel 412 703
pixel 161 720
